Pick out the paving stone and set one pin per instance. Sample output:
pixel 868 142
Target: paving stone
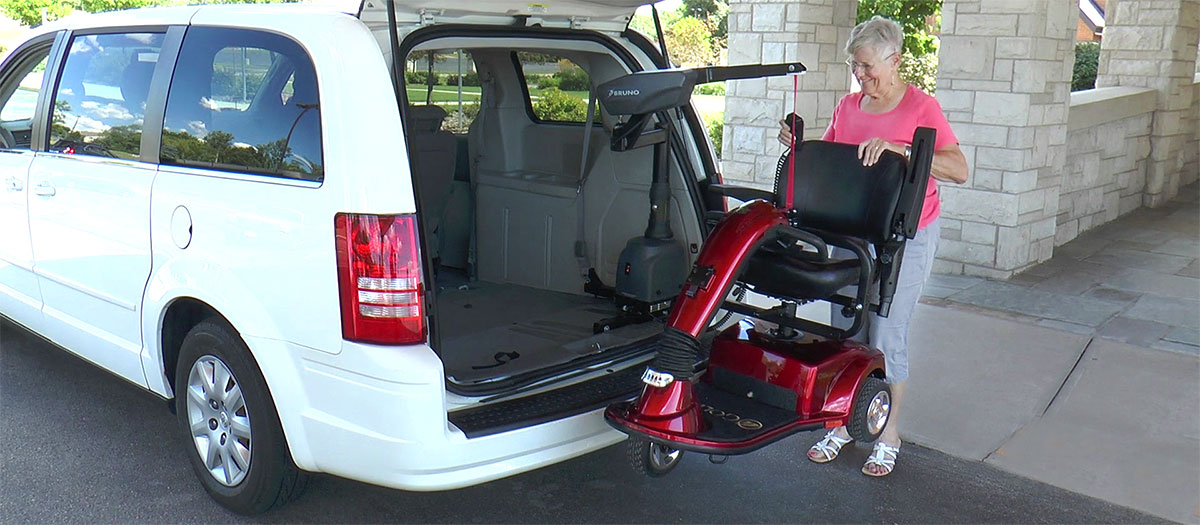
pixel 1069 283
pixel 957 282
pixel 1083 246
pixel 1167 310
pixel 1008 297
pixel 1155 283
pixel 1111 295
pixel 1180 246
pixel 1026 279
pixel 1139 260
pixel 1067 327
pixel 1124 232
pixel 1185 335
pixel 1178 348
pixel 1192 270
pixel 1138 332
pixel 939 292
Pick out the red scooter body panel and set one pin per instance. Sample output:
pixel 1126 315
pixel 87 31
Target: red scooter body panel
pixel 729 245
pixel 824 374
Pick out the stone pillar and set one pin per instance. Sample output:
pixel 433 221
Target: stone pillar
pixel 811 31
pixel 1152 44
pixel 1004 79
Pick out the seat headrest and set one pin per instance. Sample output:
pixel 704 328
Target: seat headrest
pixel 426 119
pixel 135 84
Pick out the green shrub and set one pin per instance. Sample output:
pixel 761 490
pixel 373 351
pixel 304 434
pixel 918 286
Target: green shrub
pixel 418 77
pixel 920 71
pixel 1087 57
pixel 559 106
pixel 716 127
pixel 542 81
pixel 716 88
pixel 468 79
pixel 572 79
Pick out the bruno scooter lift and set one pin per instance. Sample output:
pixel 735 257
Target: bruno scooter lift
pixel 752 388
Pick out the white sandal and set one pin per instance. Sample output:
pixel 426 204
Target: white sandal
pixel 882 455
pixel 828 447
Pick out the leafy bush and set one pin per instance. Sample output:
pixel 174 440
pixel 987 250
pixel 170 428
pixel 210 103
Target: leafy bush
pixel 542 81
pixel 468 79
pixel 716 88
pixel 1087 57
pixel 716 127
pixel 920 71
pixel 559 106
pixel 419 77
pixel 572 79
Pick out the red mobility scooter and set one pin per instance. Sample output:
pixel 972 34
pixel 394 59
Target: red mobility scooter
pixel 741 389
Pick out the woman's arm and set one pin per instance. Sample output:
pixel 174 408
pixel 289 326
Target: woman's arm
pixel 949 165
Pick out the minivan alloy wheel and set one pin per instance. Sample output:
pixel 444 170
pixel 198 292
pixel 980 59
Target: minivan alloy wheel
pixel 219 420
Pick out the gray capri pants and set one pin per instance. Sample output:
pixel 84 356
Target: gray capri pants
pixel 890 334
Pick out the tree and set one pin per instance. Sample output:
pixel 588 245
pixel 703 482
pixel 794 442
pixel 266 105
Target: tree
pixel 689 41
pixel 912 15
pixel 714 12
pixel 29 12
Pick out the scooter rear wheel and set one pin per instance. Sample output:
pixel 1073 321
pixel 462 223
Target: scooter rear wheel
pixel 652 459
pixel 872 406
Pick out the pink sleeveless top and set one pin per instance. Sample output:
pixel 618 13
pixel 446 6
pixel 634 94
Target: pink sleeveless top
pixel 851 125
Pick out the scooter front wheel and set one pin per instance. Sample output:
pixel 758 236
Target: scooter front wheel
pixel 652 459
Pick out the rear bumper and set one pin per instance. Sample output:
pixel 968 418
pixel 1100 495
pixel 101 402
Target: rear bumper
pixel 378 415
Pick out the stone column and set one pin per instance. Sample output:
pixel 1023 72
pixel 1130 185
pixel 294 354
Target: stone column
pixel 1152 44
pixel 811 31
pixel 1004 76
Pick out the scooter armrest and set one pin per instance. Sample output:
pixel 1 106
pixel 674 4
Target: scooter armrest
pixel 741 193
pixel 796 234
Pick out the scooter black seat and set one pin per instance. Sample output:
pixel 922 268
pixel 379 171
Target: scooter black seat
pixel 773 271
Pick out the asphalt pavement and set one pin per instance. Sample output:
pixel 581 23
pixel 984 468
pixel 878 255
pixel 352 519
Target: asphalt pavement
pixel 80 446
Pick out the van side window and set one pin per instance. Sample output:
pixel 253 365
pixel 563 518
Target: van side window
pixel 558 88
pixel 445 78
pixel 20 96
pixel 100 102
pixel 246 101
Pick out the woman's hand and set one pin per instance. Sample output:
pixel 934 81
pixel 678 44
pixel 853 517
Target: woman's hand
pixel 785 133
pixel 871 150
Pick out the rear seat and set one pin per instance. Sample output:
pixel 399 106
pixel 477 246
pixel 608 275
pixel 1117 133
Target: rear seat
pixel 434 155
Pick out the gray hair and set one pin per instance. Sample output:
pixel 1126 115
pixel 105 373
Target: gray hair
pixel 878 33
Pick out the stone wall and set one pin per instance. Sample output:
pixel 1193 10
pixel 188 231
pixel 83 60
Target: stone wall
pixel 1004 82
pixel 1153 44
pixel 811 31
pixel 1108 141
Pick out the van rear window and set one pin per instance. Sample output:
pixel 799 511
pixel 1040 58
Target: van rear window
pixel 243 100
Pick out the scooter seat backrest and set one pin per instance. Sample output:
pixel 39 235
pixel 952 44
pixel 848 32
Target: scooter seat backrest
pixel 832 191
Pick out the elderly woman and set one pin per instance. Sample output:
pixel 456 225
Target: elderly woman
pixel 883 117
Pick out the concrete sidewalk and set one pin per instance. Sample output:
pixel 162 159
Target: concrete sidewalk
pixel 1083 372
pixel 1101 418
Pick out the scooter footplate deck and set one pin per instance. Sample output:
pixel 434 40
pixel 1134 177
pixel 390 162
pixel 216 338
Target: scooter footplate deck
pixel 735 424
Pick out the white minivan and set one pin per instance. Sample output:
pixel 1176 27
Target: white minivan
pixel 386 255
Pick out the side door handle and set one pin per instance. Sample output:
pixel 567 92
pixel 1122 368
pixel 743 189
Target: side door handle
pixel 44 189
pixel 13 184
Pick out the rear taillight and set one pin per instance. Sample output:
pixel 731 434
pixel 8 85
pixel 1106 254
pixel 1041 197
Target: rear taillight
pixel 379 278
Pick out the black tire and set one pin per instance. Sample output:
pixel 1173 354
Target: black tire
pixel 865 410
pixel 651 459
pixel 269 478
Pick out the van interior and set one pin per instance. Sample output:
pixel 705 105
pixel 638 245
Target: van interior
pixel 514 213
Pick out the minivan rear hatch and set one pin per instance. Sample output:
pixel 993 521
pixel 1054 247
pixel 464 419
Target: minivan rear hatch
pixel 597 15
